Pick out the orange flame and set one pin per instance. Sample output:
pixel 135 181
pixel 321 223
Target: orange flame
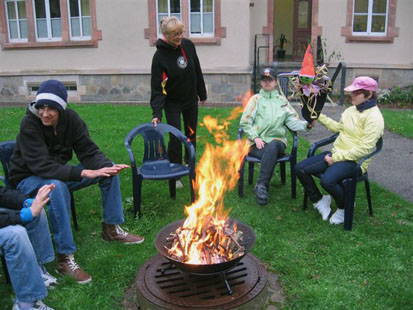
pixel 217 172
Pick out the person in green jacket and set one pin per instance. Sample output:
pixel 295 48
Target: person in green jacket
pixel 359 128
pixel 265 120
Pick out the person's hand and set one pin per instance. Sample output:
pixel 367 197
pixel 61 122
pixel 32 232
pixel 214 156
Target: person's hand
pixel 103 172
pixel 312 124
pixel 156 121
pixel 202 102
pixel 259 143
pixel 41 199
pixel 328 159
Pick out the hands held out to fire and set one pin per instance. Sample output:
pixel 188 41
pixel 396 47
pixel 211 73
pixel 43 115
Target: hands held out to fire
pixel 103 172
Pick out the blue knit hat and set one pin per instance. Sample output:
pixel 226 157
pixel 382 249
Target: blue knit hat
pixel 52 93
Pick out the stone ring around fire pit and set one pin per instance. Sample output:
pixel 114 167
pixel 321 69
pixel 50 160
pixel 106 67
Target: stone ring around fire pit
pixel 205 269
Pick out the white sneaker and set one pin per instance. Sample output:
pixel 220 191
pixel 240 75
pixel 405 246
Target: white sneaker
pixel 38 305
pixel 323 206
pixel 179 184
pixel 49 281
pixel 337 217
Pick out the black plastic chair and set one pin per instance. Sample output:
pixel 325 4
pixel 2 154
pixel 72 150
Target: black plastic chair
pixel 156 165
pixel 291 158
pixel 350 184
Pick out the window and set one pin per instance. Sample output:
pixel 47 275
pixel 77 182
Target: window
pixel 167 8
pixel 48 20
pixel 370 21
pixel 80 21
pixel 16 20
pixel 370 17
pixel 48 23
pixel 202 19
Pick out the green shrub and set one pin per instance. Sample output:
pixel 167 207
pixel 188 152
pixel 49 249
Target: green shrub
pixel 402 96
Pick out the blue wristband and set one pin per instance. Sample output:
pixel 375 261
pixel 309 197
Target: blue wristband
pixel 28 203
pixel 26 215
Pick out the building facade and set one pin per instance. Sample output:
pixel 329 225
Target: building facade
pixel 102 49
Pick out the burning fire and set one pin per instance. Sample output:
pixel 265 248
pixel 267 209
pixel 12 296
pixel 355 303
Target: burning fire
pixel 206 237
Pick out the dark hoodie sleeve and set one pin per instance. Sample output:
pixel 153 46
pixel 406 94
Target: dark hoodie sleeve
pixel 11 201
pixel 85 148
pixel 202 94
pixel 157 97
pixel 35 154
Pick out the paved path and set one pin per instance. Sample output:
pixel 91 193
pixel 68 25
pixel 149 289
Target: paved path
pixel 392 167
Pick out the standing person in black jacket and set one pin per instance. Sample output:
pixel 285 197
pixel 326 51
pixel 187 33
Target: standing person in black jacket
pixel 22 218
pixel 177 84
pixel 49 134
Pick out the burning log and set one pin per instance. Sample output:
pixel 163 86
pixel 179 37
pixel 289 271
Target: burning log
pixel 214 244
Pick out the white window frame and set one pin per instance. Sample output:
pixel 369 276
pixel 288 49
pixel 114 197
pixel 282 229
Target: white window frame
pixel 81 37
pixel 169 14
pixel 20 39
pixel 201 13
pixel 48 23
pixel 369 20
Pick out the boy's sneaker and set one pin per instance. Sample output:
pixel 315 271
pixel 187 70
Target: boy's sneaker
pixel 38 305
pixel 179 184
pixel 66 265
pixel 323 206
pixel 337 217
pixel 49 280
pixel 261 194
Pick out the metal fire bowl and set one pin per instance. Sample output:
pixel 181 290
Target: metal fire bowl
pixel 161 243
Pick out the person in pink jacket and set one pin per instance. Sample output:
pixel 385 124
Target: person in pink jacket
pixel 359 128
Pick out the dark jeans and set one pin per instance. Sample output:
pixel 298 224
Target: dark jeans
pixel 173 118
pixel 268 155
pixel 330 180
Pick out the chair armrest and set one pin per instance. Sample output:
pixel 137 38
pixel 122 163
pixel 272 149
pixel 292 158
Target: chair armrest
pixel 379 146
pixel 295 143
pixel 321 143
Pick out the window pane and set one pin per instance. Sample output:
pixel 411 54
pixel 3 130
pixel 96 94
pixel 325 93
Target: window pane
pixel 208 23
pixel 162 6
pixel 177 15
pixel 207 6
pixel 86 26
pixel 379 6
pixel 54 8
pixel 23 29
pixel 175 6
pixel 195 23
pixel 85 7
pixel 13 30
pixel 303 14
pixel 378 24
pixel 56 27
pixel 360 23
pixel 11 10
pixel 41 28
pixel 195 6
pixel 75 26
pixel 74 8
pixel 40 9
pixel 21 6
pixel 361 6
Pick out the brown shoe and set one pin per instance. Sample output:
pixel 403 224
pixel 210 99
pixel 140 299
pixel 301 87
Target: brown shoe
pixel 66 265
pixel 116 233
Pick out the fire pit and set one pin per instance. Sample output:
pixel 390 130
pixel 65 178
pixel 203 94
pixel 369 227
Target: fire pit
pixel 162 245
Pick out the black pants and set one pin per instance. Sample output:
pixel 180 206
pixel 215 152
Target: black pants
pixel 268 155
pixel 173 118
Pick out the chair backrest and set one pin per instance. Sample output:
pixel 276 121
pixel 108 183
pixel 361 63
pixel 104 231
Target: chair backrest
pixel 154 145
pixel 379 146
pixel 6 150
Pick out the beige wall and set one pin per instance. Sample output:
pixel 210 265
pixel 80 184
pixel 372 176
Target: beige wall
pixel 283 22
pixel 258 19
pixel 376 55
pixel 123 48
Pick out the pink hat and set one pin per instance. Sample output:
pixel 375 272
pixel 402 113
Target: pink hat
pixel 362 82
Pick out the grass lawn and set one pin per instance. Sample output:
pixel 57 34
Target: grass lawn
pixel 320 266
pixel 399 121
